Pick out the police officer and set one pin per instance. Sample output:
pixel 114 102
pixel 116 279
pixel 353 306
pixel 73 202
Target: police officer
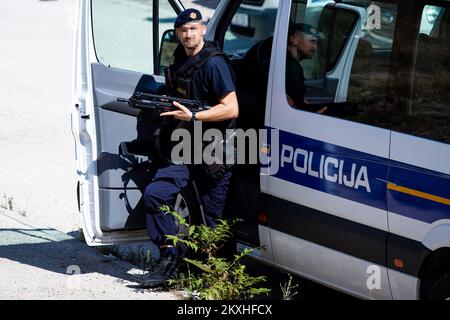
pixel 200 71
pixel 302 44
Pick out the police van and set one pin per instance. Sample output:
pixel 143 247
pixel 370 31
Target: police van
pixel 358 201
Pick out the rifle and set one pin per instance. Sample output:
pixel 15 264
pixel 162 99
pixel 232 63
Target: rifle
pixel 157 129
pixel 157 104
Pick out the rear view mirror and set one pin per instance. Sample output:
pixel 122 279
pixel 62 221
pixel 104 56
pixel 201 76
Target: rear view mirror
pixel 169 43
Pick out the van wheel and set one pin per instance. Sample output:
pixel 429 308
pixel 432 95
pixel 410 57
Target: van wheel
pixel 440 290
pixel 186 204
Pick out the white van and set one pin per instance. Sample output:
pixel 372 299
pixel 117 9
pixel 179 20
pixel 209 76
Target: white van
pixel 359 201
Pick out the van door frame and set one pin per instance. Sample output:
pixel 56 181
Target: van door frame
pixel 378 150
pixel 85 129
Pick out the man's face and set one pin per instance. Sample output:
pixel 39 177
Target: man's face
pixel 302 46
pixel 191 34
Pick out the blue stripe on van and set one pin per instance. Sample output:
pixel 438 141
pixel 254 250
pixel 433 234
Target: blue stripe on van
pixel 422 180
pixel 371 189
pixel 372 194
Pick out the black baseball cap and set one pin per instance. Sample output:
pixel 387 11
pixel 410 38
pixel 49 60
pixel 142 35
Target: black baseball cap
pixel 306 29
pixel 188 15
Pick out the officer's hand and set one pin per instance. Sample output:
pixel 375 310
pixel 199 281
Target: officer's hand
pixel 183 114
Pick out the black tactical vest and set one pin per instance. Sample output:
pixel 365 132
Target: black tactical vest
pixel 180 75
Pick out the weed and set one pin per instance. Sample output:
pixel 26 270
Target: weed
pixel 214 278
pixel 288 290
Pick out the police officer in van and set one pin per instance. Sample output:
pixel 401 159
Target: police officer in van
pixel 200 71
pixel 302 44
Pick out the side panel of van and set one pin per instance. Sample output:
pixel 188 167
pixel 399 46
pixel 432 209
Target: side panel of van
pixel 326 203
pixel 418 201
pixel 418 192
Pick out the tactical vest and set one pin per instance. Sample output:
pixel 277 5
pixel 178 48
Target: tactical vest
pixel 180 78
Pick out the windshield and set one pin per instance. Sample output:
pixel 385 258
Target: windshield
pixel 206 7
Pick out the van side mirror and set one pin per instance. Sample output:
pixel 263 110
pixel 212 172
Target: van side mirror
pixel 169 43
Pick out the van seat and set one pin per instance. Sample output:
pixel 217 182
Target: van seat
pixel 252 73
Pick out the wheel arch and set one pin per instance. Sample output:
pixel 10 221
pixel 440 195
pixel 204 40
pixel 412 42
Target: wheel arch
pixel 435 265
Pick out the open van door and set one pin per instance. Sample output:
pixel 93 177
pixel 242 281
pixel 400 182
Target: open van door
pixel 114 53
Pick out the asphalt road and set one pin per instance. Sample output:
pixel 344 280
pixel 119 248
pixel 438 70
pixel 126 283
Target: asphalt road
pixel 43 263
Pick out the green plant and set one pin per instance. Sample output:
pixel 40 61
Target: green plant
pixel 215 278
pixel 8 203
pixel 288 289
pixel 149 262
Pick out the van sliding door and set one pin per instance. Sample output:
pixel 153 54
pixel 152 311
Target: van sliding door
pixel 326 196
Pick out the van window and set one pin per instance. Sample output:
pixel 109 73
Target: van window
pixel 370 73
pixel 400 74
pixel 206 7
pixel 318 33
pixel 253 22
pixel 123 32
pixel 428 111
pixel 429 17
pixel 418 105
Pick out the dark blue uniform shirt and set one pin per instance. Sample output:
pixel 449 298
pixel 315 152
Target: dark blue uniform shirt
pixel 212 81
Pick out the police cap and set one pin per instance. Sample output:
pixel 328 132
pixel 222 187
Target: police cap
pixel 188 15
pixel 306 29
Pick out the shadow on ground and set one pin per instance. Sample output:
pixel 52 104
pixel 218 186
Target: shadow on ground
pixel 57 252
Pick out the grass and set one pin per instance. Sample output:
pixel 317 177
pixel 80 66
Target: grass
pixel 288 289
pixel 8 203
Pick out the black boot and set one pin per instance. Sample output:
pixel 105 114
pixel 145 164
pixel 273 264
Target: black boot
pixel 167 269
